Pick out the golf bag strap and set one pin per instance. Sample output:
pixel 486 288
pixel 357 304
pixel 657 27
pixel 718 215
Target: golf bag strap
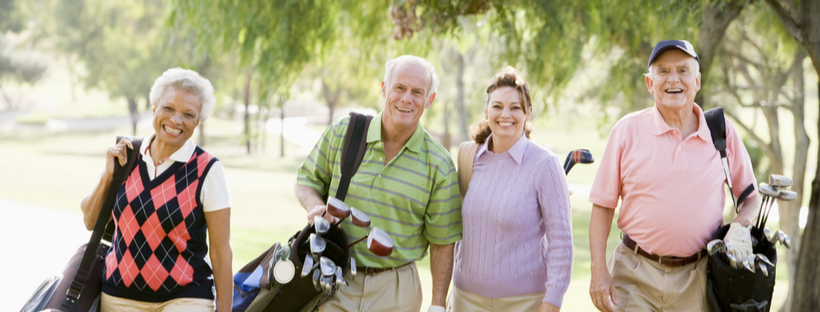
pixel 103 223
pixel 717 128
pixel 355 144
pixel 466 156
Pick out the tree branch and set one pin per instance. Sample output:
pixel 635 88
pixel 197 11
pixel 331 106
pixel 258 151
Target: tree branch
pixel 788 15
pixel 763 144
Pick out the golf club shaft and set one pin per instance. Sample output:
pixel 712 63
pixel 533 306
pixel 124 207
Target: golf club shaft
pixel 354 243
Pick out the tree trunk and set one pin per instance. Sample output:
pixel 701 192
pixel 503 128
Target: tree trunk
pixel 462 114
pixel 446 140
pixel 790 211
pixel 806 289
pixel 331 98
pixel 247 113
pixel 135 115
pixel 716 18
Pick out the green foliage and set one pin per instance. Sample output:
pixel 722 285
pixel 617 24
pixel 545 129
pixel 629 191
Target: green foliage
pixel 10 19
pixel 21 67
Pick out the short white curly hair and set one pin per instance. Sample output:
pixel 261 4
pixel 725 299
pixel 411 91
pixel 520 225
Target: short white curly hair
pixel 188 80
pixel 412 60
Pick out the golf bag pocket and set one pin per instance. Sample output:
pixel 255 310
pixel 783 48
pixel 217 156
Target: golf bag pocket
pixel 729 289
pixel 52 292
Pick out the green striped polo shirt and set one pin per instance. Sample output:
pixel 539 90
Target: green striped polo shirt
pixel 414 198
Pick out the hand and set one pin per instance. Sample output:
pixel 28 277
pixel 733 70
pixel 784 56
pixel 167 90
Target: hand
pixel 601 289
pixel 435 308
pixel 546 307
pixel 318 210
pixel 739 241
pixel 119 152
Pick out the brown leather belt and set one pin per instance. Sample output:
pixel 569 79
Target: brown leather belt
pixel 669 261
pixel 374 271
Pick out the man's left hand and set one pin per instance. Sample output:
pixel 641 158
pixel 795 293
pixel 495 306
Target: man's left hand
pixel 435 308
pixel 739 241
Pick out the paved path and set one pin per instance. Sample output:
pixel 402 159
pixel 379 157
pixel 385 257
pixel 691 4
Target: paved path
pixel 36 243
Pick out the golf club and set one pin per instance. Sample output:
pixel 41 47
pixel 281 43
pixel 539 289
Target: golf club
pixel 357 217
pixel 352 266
pixel 579 156
pixel 321 225
pixel 783 195
pixel 765 259
pixel 378 242
pixel 768 193
pixel 779 181
pixel 714 246
pixel 316 276
pixel 783 239
pixel 306 267
pixel 340 280
pixel 327 266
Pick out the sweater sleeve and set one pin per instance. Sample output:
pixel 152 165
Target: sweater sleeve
pixel 553 201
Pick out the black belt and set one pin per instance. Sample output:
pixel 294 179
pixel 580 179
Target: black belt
pixel 669 261
pixel 374 271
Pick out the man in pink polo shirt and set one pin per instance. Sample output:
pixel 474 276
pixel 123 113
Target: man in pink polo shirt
pixel 662 164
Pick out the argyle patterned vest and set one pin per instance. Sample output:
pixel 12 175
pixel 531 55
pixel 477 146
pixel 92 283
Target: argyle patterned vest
pixel 159 247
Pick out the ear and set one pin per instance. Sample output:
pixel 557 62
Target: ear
pixel 649 83
pixel 697 81
pixel 384 96
pixel 430 100
pixel 154 110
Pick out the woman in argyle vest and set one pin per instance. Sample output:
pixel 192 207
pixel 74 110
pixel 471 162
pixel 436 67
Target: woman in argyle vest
pixel 175 196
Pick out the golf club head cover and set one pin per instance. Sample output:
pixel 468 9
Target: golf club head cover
pixel 739 240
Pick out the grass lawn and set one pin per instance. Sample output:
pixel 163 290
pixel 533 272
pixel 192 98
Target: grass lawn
pixel 57 170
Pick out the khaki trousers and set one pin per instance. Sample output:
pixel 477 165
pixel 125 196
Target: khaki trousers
pixel 391 291
pixel 110 303
pixel 465 301
pixel 645 285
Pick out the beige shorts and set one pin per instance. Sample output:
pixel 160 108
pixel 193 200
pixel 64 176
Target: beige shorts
pixel 116 304
pixel 463 301
pixel 645 285
pixel 390 291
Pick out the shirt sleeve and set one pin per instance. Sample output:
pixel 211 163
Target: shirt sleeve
pixel 317 170
pixel 553 201
pixel 740 164
pixel 606 188
pixel 215 194
pixel 442 221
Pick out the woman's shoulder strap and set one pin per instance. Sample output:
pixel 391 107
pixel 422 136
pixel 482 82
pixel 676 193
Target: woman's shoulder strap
pixel 466 155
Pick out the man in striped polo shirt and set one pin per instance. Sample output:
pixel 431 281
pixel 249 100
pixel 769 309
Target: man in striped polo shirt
pixel 406 183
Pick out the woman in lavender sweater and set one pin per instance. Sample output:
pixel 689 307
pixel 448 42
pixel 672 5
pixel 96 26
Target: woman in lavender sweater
pixel 516 251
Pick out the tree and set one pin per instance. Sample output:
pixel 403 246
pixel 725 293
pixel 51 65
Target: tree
pixel 21 67
pixel 802 21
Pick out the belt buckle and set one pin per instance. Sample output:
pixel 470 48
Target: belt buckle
pixel 660 260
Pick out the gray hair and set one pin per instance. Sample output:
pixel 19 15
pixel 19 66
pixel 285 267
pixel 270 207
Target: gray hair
pixel 187 80
pixel 650 74
pixel 412 60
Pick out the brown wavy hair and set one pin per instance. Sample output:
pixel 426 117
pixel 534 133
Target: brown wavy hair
pixel 506 77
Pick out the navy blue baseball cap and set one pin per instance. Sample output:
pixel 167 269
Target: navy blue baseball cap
pixel 666 45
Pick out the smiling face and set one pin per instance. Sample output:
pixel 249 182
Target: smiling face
pixel 674 80
pixel 176 115
pixel 506 114
pixel 406 98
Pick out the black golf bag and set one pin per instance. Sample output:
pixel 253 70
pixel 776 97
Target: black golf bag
pixel 729 289
pixel 255 288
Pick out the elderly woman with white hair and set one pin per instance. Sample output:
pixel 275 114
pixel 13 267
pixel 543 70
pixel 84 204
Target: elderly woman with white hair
pixel 175 195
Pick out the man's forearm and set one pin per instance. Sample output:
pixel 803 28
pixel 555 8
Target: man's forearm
pixel 441 268
pixel 600 223
pixel 309 197
pixel 748 210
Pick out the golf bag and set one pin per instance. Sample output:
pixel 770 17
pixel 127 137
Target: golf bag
pixel 729 289
pixel 256 289
pixel 78 288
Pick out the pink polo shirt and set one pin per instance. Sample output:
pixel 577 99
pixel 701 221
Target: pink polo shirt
pixel 671 190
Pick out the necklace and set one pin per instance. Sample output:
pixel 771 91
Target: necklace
pixel 157 163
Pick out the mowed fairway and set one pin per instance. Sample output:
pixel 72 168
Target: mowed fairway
pixel 57 170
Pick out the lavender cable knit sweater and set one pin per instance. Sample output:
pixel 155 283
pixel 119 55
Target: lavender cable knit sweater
pixel 517 235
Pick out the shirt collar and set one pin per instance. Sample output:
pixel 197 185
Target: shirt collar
pixel 516 151
pixel 183 154
pixel 659 126
pixel 374 134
